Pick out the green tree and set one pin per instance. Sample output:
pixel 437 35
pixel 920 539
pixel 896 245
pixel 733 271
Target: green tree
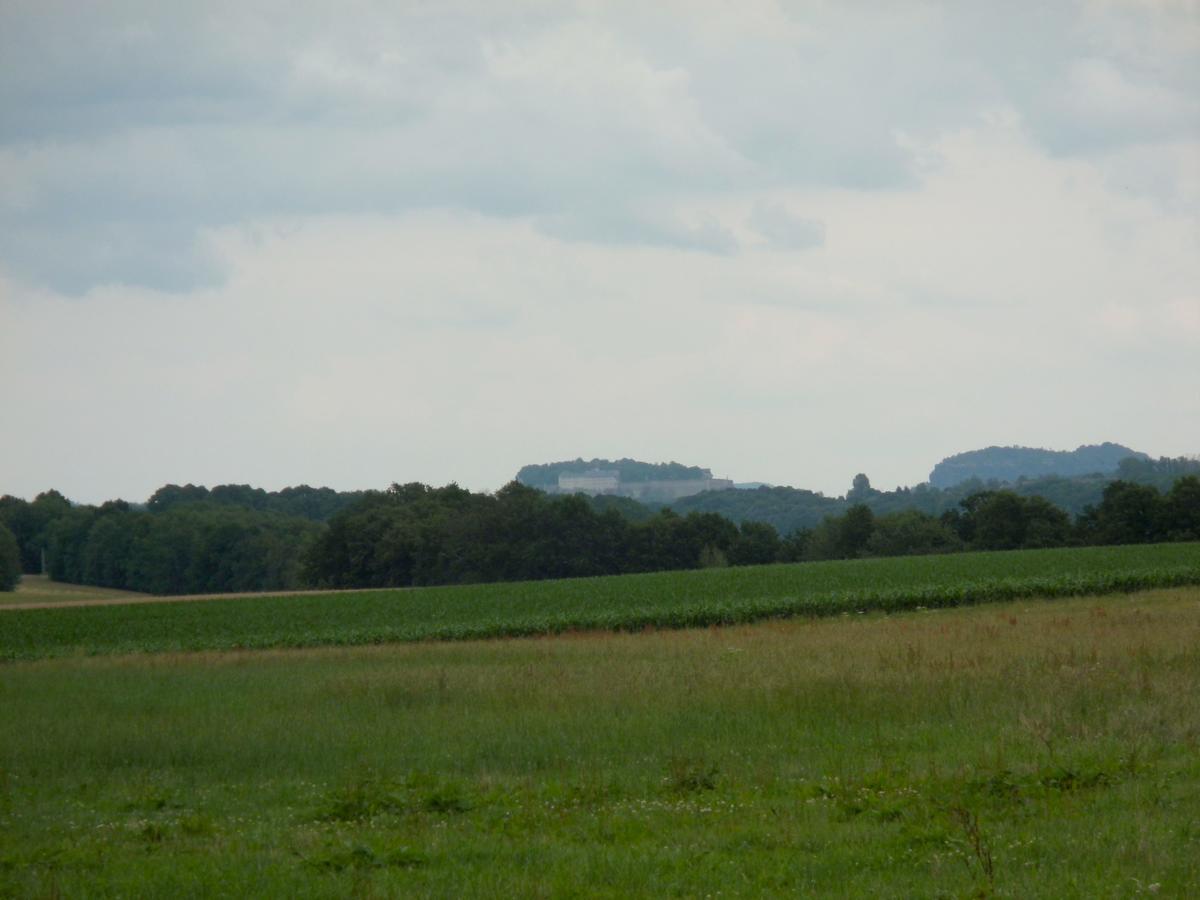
pixel 911 533
pixel 1004 520
pixel 1129 514
pixel 757 543
pixel 857 526
pixel 1181 516
pixel 861 490
pixel 30 524
pixel 10 560
pixel 841 537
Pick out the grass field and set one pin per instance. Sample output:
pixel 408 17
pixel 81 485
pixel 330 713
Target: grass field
pixel 40 589
pixel 631 602
pixel 1025 749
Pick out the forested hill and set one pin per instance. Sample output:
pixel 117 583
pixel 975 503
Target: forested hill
pixel 788 509
pixel 545 475
pixel 1008 464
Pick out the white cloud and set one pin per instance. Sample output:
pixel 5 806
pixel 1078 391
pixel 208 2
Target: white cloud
pixel 784 229
pixel 792 243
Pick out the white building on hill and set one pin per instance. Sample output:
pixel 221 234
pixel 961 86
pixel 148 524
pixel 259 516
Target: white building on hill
pixel 608 481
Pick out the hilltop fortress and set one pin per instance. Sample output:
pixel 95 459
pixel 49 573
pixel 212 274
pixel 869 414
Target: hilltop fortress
pixel 595 482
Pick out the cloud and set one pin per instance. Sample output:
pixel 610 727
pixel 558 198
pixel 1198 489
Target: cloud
pixel 785 230
pixel 271 245
pixel 361 349
pixel 129 128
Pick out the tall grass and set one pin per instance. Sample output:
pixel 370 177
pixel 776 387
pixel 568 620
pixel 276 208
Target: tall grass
pixel 1021 749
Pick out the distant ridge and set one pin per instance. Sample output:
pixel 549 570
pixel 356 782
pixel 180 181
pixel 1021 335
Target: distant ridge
pixel 1008 464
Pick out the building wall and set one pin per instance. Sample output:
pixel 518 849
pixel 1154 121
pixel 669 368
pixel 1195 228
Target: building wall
pixel 672 490
pixel 659 491
pixel 589 483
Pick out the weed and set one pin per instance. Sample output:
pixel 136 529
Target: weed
pixel 153 832
pixel 446 798
pixel 197 826
pixel 363 798
pixel 686 775
pixel 340 857
pixel 977 846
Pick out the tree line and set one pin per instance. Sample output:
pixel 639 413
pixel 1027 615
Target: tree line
pixel 790 509
pixel 178 548
pixel 1127 513
pixel 188 540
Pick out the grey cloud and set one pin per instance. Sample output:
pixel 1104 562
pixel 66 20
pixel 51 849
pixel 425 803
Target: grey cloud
pixel 132 127
pixel 624 226
pixel 783 229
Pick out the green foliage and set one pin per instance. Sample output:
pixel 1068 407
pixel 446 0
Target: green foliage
pixel 188 549
pixel 233 538
pixel 1181 517
pixel 786 509
pixel 911 532
pixel 681 599
pixel 1004 520
pixel 791 509
pixel 757 544
pixel 1160 473
pixel 315 504
pixel 418 535
pixel 30 522
pixel 10 560
pixel 842 537
pixel 1132 513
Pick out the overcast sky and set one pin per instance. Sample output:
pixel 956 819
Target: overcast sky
pixel 356 243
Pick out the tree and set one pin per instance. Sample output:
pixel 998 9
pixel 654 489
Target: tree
pixel 1129 514
pixel 10 560
pixel 841 537
pixel 910 533
pixel 1004 520
pixel 857 526
pixel 1181 517
pixel 861 490
pixel 30 524
pixel 757 543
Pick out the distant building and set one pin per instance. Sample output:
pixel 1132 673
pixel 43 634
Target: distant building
pixel 593 482
pixel 608 481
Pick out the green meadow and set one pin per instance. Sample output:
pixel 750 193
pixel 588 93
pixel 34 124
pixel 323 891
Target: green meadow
pixel 1022 749
pixel 867 728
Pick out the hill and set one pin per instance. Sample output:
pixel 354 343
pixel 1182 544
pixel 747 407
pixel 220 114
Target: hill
pixel 545 475
pixel 1009 464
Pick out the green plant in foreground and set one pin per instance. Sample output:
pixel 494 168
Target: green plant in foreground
pixel 1022 750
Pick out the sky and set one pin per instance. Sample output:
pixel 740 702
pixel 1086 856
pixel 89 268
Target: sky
pixel 370 242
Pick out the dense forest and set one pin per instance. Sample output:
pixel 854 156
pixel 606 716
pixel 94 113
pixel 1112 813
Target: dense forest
pixel 234 538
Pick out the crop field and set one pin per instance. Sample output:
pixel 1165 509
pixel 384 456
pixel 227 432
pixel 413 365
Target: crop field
pixel 631 602
pixel 1015 749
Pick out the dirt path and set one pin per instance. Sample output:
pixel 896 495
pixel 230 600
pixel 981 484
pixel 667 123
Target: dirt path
pixel 182 598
